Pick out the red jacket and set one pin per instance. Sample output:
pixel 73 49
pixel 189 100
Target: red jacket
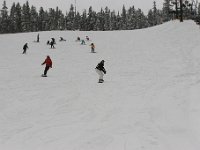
pixel 48 62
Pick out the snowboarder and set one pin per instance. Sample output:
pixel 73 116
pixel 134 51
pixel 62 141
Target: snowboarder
pixel 62 39
pixel 53 40
pixel 92 47
pixel 87 38
pixel 25 47
pixel 78 38
pixel 38 38
pixel 100 71
pixel 52 44
pixel 48 63
pixel 82 42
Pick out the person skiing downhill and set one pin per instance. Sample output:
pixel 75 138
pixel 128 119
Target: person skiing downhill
pixel 38 37
pixel 82 42
pixel 100 71
pixel 87 38
pixel 92 47
pixel 52 44
pixel 48 63
pixel 25 47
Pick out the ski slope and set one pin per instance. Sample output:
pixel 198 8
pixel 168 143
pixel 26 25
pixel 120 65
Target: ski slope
pixel 150 99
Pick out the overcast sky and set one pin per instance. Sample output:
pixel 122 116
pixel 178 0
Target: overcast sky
pixel 64 5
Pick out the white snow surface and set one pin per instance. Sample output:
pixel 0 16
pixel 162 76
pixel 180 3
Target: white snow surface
pixel 150 99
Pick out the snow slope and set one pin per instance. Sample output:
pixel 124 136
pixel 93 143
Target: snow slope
pixel 149 101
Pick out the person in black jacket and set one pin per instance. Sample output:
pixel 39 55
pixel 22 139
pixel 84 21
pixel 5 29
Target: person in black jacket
pixel 100 71
pixel 25 47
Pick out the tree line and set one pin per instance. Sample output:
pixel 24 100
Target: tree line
pixel 26 18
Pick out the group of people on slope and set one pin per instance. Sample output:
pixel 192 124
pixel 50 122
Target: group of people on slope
pixel 48 62
pixel 99 68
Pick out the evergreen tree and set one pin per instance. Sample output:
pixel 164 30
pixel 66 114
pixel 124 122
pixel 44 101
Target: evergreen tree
pixel 4 27
pixel 107 21
pixel 83 23
pixel 154 14
pixel 34 19
pixel 123 19
pixel 141 20
pixel 113 21
pixel 12 26
pixel 131 18
pixel 100 22
pixel 77 21
pixel 26 17
pixel 167 11
pixel 150 18
pixel 18 18
pixel 70 18
pixel 91 19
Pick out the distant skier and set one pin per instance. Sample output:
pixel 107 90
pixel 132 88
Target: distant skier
pixel 92 47
pixel 48 43
pixel 100 71
pixel 62 39
pixel 52 44
pixel 53 40
pixel 87 38
pixel 82 42
pixel 48 63
pixel 78 38
pixel 38 38
pixel 25 47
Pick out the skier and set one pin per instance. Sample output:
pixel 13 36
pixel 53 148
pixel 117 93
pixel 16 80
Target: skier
pixel 48 63
pixel 62 39
pixel 78 38
pixel 25 47
pixel 38 37
pixel 100 71
pixel 53 40
pixel 87 38
pixel 82 42
pixel 92 47
pixel 52 44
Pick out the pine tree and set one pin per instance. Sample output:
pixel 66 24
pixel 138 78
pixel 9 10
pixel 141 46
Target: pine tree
pixel 70 18
pixel 83 23
pixel 91 19
pixel 100 22
pixel 154 14
pixel 4 27
pixel 107 21
pixel 150 18
pixel 123 19
pixel 131 18
pixel 77 21
pixel 12 26
pixel 33 19
pixel 113 21
pixel 18 18
pixel 26 17
pixel 167 11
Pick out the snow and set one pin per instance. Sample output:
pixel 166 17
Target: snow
pixel 149 100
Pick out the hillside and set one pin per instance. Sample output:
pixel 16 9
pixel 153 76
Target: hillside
pixel 149 100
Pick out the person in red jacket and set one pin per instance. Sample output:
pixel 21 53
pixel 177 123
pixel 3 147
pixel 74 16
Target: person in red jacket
pixel 48 63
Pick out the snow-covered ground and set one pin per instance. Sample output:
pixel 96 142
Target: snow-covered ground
pixel 150 99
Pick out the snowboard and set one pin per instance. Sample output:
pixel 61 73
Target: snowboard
pixel 43 75
pixel 101 81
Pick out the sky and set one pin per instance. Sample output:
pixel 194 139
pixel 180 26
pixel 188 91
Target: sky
pixel 64 5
